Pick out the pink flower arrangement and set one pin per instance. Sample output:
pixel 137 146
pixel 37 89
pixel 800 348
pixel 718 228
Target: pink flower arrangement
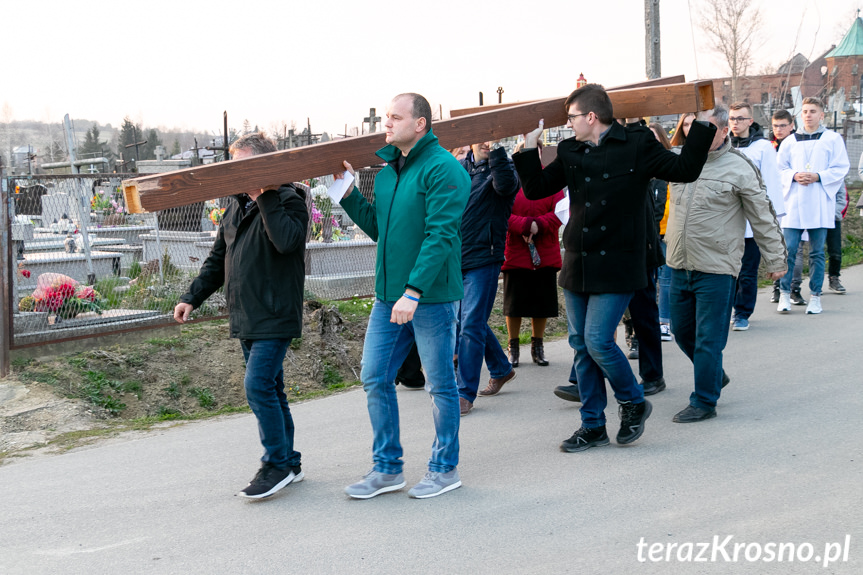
pixel 64 296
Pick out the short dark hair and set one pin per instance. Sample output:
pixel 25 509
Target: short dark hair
pixel 592 98
pixel 741 105
pixel 420 107
pixel 814 101
pixel 257 142
pixel 783 115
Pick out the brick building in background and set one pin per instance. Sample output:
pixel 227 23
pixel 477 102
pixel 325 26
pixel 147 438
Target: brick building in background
pixel 835 76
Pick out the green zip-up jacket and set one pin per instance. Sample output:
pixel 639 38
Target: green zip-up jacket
pixel 416 220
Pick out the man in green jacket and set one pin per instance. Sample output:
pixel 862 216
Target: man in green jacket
pixel 415 218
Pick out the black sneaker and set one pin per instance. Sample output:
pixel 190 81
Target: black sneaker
pixel 632 418
pixel 414 385
pixel 568 392
pixel 585 438
pixel 797 298
pixel 270 479
pixel 653 387
pixel 633 349
pixel 836 285
pixel 775 297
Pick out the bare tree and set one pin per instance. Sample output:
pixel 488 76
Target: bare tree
pixel 732 29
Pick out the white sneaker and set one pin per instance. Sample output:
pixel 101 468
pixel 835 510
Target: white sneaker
pixel 785 302
pixel 814 304
pixel 664 332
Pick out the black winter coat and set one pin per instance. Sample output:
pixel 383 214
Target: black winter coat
pixel 493 186
pixel 259 257
pixel 606 237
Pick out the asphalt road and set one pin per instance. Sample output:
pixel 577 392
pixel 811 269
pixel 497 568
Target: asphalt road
pixel 781 464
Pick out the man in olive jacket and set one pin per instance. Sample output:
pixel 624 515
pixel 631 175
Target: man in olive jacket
pixel 607 168
pixel 706 221
pixel 415 218
pixel 258 256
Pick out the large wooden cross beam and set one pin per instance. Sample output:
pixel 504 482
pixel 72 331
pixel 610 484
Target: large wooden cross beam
pixel 183 187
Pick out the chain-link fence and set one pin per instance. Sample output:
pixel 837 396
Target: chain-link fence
pixel 82 266
pixel 853 135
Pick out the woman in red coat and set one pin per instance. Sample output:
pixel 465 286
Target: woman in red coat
pixel 530 271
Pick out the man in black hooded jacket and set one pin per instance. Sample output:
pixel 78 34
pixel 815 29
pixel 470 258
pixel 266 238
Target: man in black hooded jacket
pixel 258 256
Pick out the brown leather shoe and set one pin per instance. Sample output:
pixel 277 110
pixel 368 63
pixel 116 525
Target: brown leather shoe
pixel 494 385
pixel 464 406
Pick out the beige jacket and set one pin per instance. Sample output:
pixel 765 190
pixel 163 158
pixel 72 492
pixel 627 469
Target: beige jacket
pixel 707 218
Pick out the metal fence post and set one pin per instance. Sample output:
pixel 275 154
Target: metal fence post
pixel 6 295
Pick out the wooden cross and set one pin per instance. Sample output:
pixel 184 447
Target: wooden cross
pixel 372 121
pixel 308 136
pixel 183 187
pixel 136 143
pixel 226 144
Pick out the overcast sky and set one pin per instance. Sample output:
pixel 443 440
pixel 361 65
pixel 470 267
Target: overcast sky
pixel 266 61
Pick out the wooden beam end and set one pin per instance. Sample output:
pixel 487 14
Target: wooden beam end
pixel 706 98
pixel 133 199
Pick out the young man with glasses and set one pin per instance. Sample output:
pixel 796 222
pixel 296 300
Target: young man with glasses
pixel 812 165
pixel 607 168
pixel 748 137
pixel 783 126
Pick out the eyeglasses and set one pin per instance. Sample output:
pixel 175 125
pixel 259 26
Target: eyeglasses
pixel 738 118
pixel 572 117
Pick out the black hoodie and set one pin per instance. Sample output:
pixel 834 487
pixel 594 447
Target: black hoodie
pixel 259 256
pixel 755 133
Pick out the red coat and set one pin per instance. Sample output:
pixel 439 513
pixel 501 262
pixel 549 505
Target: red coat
pixel 524 213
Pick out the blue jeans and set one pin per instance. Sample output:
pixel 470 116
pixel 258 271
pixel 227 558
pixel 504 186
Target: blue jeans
pixel 747 282
pixel 700 311
pixel 664 286
pixel 591 319
pixel 476 340
pixel 265 391
pixel 386 347
pixel 817 237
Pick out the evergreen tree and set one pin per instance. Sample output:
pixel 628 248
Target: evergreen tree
pixel 148 150
pixel 175 149
pixel 92 147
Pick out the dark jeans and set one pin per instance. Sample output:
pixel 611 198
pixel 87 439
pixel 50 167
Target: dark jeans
pixel 265 391
pixel 591 319
pixel 644 314
pixel 700 310
pixel 834 250
pixel 747 281
pixel 476 341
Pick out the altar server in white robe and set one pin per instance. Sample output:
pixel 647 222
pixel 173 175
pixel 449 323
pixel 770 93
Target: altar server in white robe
pixel 813 163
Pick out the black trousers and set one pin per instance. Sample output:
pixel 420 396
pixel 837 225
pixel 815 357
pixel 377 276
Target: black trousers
pixel 834 249
pixel 644 314
pixel 410 373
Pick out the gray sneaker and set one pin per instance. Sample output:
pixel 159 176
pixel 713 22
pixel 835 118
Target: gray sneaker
pixel 435 483
pixel 375 483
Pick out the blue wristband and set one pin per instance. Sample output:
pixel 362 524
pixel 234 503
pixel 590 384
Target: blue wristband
pixel 412 298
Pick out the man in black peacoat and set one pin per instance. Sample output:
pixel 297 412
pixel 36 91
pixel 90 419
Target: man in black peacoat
pixel 607 168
